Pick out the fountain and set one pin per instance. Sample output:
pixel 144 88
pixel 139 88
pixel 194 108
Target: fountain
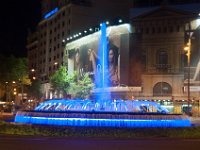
pixel 103 112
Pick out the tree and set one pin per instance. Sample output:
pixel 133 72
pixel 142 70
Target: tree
pixel 34 90
pixel 59 80
pixel 13 69
pixel 20 71
pixel 71 83
pixel 81 88
pixel 20 74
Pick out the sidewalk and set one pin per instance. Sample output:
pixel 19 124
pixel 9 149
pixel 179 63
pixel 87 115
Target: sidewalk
pixel 6 116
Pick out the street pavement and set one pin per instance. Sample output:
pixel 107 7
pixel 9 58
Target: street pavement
pixel 57 143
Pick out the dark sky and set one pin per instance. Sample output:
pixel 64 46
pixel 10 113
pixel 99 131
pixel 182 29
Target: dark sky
pixel 16 17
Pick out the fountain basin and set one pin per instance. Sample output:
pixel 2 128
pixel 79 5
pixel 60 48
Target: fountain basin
pixel 103 119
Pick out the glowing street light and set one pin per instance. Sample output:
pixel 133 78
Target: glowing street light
pixel 187 48
pixel 32 70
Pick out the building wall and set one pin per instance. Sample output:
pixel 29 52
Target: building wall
pixel 161 42
pixel 32 48
pixel 71 17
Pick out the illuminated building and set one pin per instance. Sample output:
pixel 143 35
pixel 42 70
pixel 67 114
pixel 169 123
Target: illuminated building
pixel 161 34
pixel 152 67
pixel 61 19
pixel 151 55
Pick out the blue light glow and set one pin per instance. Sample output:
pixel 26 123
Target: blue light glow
pixel 102 76
pixel 49 14
pixel 125 123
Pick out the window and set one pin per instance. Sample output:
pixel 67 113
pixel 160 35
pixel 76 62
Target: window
pixel 63 13
pixel 162 57
pixel 171 29
pixel 147 30
pixel 63 34
pixel 159 29
pixel 162 61
pixel 165 29
pixel 153 30
pixel 162 89
pixel 178 28
pixel 58 16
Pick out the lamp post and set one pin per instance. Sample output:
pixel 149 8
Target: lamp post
pixel 187 48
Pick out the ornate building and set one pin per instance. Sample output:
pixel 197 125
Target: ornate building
pixel 161 34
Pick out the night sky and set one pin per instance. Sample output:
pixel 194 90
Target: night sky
pixel 17 16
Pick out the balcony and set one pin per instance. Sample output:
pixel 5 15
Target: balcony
pixel 160 68
pixel 163 66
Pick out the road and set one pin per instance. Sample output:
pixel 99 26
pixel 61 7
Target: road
pixel 54 143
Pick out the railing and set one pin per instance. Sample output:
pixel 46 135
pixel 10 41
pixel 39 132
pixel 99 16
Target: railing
pixel 162 68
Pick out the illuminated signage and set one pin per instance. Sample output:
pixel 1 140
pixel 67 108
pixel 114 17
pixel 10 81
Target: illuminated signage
pixel 49 14
pixel 192 88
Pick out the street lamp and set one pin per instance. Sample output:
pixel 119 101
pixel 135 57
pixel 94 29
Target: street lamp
pixel 33 74
pixel 187 48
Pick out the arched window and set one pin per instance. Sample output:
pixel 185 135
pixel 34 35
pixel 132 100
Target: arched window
pixel 162 89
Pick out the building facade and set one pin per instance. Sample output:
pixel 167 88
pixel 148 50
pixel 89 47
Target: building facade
pixel 162 32
pixel 152 63
pixel 62 19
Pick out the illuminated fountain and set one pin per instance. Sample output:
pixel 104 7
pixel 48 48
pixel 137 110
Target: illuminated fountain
pixel 103 112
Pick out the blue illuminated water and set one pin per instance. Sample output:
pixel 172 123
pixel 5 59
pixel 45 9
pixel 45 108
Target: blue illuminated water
pixel 117 113
pixel 102 119
pixel 102 74
pixel 101 122
pixel 101 106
